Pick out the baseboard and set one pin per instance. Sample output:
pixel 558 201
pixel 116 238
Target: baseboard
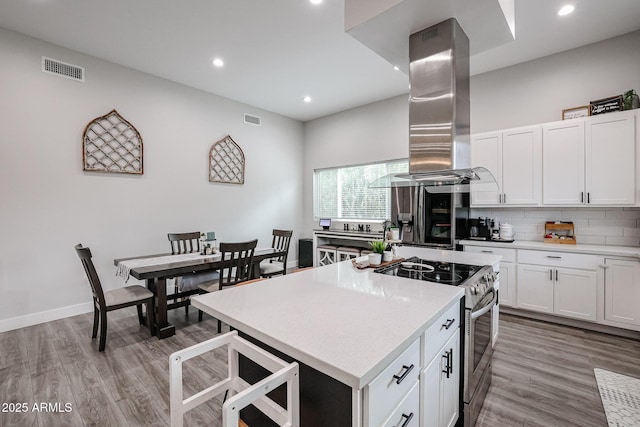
pixel 44 316
pixel 575 323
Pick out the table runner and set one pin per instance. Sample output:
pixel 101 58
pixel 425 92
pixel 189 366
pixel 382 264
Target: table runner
pixel 123 269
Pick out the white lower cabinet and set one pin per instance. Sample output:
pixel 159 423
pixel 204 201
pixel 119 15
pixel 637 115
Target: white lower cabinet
pixel 551 285
pixel 407 414
pixel 535 288
pixel 440 382
pixel 383 395
pixel 575 293
pixel 622 291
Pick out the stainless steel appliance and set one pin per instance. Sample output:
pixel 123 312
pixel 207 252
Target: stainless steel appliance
pixel 430 219
pixel 481 299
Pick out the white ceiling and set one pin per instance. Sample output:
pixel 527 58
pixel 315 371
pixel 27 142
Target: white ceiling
pixel 277 51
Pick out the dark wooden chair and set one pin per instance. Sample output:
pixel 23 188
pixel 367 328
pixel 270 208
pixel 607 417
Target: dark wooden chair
pixel 186 286
pixel 114 299
pixel 237 265
pixel 278 264
pixel 184 243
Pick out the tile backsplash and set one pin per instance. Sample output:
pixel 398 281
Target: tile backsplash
pixel 599 226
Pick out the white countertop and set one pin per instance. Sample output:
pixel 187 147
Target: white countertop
pixel 347 323
pixel 603 250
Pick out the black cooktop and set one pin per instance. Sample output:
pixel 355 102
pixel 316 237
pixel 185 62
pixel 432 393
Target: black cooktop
pixel 432 271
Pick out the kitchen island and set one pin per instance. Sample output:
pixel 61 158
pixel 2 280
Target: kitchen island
pixel 347 328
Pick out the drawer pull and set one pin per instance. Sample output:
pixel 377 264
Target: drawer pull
pixel 401 378
pixel 487 252
pixel 554 257
pixel 407 419
pixel 448 323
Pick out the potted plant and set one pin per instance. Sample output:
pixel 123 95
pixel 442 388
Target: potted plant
pixel 630 100
pixel 378 247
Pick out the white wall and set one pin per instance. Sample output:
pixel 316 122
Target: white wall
pixel 533 92
pixel 537 91
pixel 48 204
pixel 374 132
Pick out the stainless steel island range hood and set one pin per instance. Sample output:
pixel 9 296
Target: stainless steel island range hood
pixel 439 123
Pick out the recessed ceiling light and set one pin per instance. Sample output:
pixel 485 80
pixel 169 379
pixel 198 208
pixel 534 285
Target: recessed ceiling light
pixel 565 10
pixel 307 99
pixel 395 67
pixel 218 62
pixel 315 1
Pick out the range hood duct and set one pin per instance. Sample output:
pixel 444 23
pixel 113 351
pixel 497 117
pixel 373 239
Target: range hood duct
pixel 439 114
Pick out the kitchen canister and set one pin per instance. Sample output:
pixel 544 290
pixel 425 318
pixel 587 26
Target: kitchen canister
pixel 506 231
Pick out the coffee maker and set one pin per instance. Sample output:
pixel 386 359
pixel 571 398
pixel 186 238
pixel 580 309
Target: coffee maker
pixel 479 228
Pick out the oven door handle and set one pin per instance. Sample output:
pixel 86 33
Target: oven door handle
pixel 486 308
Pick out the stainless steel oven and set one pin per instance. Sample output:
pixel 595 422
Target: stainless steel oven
pixel 478 352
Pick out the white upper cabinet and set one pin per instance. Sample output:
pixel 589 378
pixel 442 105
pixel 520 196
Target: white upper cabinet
pixel 611 159
pixel 563 178
pixel 514 157
pixel 522 166
pixel 486 151
pixel 577 162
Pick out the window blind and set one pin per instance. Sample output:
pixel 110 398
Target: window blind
pixel 344 193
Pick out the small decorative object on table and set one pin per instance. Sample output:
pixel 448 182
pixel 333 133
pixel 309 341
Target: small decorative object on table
pixel 208 243
pixel 378 247
pixel 559 232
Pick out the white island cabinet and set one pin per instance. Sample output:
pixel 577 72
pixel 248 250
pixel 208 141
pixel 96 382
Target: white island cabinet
pixel 364 341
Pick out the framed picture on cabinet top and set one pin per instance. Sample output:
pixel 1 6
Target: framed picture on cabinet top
pixel 575 112
pixel 606 105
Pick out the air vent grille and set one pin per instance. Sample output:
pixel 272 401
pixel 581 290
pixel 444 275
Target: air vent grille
pixel 59 68
pixel 252 120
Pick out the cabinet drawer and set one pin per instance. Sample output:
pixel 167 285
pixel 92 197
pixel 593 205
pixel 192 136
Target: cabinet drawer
pixel 558 259
pixel 438 333
pixel 508 255
pixel 384 393
pixel 407 414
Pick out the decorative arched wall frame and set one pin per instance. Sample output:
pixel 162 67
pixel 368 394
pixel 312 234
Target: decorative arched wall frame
pixel 112 144
pixel 226 162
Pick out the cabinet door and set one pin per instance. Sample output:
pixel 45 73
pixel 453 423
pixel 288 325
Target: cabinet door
pixel 574 293
pixel 486 151
pixel 622 291
pixel 430 398
pixel 535 288
pixel 507 291
pixel 450 396
pixel 563 177
pixel 610 159
pixel 441 386
pixel 522 166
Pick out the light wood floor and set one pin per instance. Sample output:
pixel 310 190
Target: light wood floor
pixel 542 374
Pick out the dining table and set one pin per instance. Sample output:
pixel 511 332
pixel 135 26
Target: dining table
pixel 156 269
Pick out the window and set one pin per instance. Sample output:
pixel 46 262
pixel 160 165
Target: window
pixel 344 193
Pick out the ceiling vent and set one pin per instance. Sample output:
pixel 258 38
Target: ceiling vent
pixel 59 68
pixel 252 120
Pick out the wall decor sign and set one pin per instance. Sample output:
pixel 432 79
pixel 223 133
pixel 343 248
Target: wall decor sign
pixel 606 105
pixel 575 112
pixel 226 162
pixel 112 144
